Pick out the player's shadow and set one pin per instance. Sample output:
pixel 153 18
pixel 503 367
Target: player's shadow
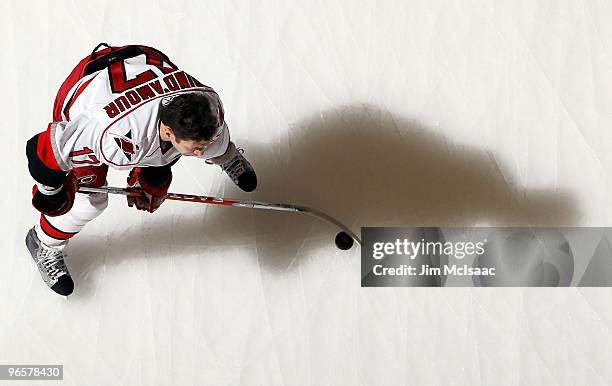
pixel 363 166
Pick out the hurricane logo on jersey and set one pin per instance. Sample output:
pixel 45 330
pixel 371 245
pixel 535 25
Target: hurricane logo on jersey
pixel 127 146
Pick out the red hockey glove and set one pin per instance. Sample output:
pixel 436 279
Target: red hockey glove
pixel 151 196
pixel 58 202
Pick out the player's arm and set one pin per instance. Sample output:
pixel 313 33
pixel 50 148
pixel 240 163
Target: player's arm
pixel 53 193
pixel 42 163
pixel 153 183
pixel 51 156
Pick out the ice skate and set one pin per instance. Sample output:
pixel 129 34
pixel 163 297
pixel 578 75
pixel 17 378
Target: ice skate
pixel 50 263
pixel 240 170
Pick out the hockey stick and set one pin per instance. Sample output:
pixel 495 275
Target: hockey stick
pixel 231 202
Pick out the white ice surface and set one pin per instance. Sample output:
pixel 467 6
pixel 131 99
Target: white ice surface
pixel 379 112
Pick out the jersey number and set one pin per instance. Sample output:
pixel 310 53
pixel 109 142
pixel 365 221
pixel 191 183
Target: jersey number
pixel 89 157
pixel 118 78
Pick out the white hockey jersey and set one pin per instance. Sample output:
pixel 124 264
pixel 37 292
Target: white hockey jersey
pixel 113 119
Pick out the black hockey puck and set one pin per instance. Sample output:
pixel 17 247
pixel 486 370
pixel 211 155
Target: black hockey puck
pixel 344 241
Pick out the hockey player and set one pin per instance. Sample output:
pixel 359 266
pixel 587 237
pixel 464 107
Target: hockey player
pixel 129 108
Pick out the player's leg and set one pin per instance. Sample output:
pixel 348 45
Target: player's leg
pixel 46 241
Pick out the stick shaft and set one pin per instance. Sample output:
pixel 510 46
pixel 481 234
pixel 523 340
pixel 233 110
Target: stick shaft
pixel 230 202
